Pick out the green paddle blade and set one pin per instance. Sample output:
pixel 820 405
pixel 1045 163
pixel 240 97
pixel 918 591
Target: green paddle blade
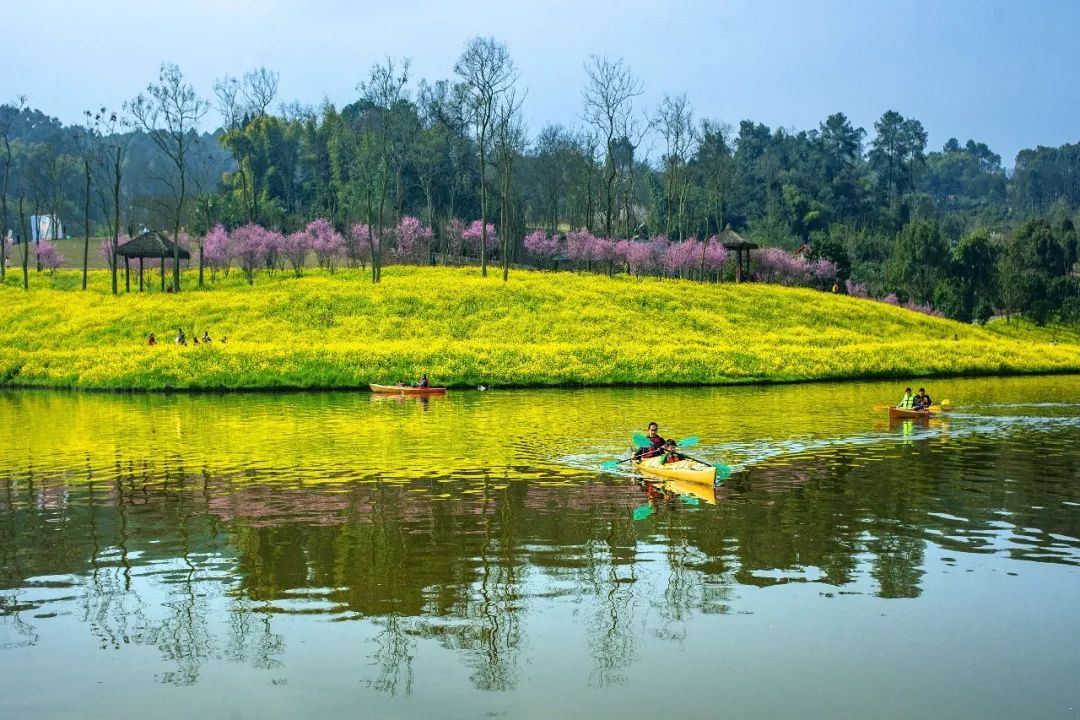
pixel 689 442
pixel 689 500
pixel 642 440
pixel 723 472
pixel 642 512
pixel 609 465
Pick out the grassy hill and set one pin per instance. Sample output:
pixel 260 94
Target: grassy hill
pixel 539 329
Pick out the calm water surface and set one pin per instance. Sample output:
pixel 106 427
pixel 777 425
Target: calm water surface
pixel 334 555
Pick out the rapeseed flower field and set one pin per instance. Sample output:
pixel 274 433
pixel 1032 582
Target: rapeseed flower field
pixel 339 330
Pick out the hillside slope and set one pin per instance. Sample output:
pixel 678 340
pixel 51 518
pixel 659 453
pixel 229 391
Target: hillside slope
pixel 539 329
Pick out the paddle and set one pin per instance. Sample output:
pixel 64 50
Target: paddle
pixel 643 441
pixel 642 511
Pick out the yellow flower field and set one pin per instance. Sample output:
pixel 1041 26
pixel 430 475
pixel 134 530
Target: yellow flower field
pixel 539 329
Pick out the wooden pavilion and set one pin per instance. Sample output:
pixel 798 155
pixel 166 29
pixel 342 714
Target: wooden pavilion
pixel 742 247
pixel 151 244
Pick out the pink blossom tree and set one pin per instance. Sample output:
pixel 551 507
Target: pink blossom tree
pixel 413 239
pixel 543 248
pixel 603 253
pixel 249 246
pixel 217 251
pixel 714 257
pixel 363 237
pixel 48 255
pixel 776 265
pixel 273 251
pixel 579 246
pixel 295 247
pixel 472 237
pixel 680 258
pixel 637 256
pixel 328 244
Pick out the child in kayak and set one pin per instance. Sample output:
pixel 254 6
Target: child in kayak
pixel 907 402
pixel 670 456
pixel 656 444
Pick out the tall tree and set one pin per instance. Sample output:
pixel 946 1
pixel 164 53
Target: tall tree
pixel 385 90
pixel 111 130
pixel 487 72
pixel 8 115
pixel 675 122
pixel 169 112
pixel 509 145
pixel 608 98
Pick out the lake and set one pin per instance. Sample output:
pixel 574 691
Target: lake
pixel 342 554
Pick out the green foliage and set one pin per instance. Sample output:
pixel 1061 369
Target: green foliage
pixel 918 261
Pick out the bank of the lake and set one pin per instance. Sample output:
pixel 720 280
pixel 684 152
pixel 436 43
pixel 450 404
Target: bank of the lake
pixel 539 329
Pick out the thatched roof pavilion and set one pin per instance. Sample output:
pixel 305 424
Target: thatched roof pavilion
pixel 150 244
pixel 742 247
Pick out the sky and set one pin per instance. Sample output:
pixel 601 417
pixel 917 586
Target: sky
pixel 1000 72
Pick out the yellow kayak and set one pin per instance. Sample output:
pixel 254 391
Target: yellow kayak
pixel 691 489
pixel 688 470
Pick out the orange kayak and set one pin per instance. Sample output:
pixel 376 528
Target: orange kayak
pixel 896 413
pixel 406 390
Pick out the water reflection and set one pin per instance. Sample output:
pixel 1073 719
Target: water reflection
pixel 173 527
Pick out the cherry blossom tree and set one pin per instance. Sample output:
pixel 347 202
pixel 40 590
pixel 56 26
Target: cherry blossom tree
pixel 328 244
pixel 473 235
pixel 48 255
pixel 413 238
pixel 217 251
pixel 249 246
pixel 296 247
pixel 363 238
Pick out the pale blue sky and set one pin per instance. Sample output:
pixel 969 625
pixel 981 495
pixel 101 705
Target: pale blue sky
pixel 1001 72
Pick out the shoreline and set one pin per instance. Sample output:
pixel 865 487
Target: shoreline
pixel 364 390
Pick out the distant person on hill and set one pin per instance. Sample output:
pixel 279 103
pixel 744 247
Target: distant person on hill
pixel 907 402
pixel 656 443
pixel 151 340
pixel 424 382
pixel 922 400
pixel 206 338
pixel 224 339
pixel 180 338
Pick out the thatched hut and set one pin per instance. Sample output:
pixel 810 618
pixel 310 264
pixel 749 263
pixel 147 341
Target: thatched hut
pixel 150 244
pixel 733 241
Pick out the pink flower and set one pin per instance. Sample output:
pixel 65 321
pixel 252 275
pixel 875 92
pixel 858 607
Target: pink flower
pixel 413 238
pixel 473 235
pixel 541 246
pixel 328 244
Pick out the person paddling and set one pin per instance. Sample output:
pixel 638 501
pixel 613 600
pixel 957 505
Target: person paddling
pixel 922 400
pixel 424 382
pixel 656 443
pixel 907 402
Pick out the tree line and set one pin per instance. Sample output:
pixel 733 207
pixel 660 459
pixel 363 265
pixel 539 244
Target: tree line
pixel 948 228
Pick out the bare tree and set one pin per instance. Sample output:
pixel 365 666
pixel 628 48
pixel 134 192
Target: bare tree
pixel 509 138
pixel 8 115
pixel 260 88
pixel 87 144
pixel 112 133
pixel 675 121
pixel 487 72
pixel 609 103
pixel 169 113
pixel 385 90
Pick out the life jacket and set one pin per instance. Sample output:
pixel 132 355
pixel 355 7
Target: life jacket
pixel 906 402
pixel 672 457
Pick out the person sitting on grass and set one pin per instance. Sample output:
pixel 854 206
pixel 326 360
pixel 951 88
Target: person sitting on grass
pixel 906 402
pixel 206 337
pixel 180 338
pixel 151 340
pixel 670 456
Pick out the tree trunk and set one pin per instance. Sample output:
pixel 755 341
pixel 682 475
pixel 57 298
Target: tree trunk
pixel 86 224
pixel 116 218
pixel 483 204
pixel 25 247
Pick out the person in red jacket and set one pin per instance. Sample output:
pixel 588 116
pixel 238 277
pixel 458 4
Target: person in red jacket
pixel 655 444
